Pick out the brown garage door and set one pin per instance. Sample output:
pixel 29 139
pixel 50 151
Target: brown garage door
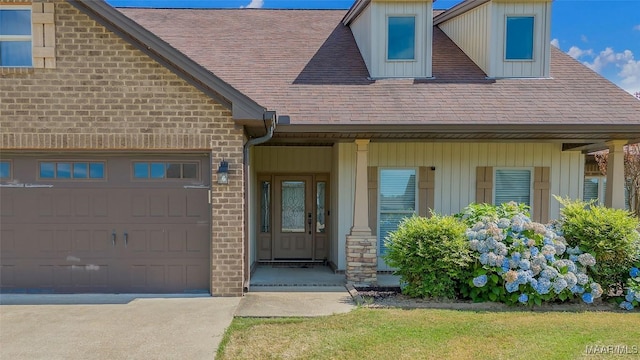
pixel 105 224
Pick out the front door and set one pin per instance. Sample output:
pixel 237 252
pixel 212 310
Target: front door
pixel 293 231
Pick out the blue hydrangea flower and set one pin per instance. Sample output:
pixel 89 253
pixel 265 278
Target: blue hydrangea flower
pixel 524 264
pixel 512 286
pixel 571 279
pixel 559 284
pixel 586 259
pixel 577 289
pixel 505 265
pixel 484 258
pixel 560 247
pixel 630 295
pixel 515 256
pixel 523 298
pixel 480 281
pixel 535 251
pixel 573 258
pixel 587 298
pixel 626 305
pixel 583 279
pixel 481 235
pixel 544 285
pixel 596 289
pixel 634 272
pixel 504 223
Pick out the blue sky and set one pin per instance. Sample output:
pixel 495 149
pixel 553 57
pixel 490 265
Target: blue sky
pixel 602 34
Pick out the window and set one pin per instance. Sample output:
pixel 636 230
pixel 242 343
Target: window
pixel 5 170
pixel 15 36
pixel 401 38
pixel 397 201
pixel 519 38
pixel 164 170
pixel 512 185
pixel 77 170
pixel 595 188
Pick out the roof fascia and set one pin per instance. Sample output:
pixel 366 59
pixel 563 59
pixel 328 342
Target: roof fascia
pixel 629 131
pixel 241 106
pixel 354 11
pixel 457 10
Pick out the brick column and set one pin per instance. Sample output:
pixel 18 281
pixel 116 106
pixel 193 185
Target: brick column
pixel 362 259
pixel 614 196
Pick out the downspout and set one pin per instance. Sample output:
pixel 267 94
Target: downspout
pixel 245 161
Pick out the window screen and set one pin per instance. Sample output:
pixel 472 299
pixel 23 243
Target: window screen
pixel 397 200
pixel 512 185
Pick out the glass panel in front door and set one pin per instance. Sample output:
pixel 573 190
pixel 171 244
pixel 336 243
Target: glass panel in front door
pixel 293 207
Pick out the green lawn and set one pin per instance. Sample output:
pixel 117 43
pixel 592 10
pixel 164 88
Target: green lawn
pixel 434 334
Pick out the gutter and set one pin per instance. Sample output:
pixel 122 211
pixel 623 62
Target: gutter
pixel 268 115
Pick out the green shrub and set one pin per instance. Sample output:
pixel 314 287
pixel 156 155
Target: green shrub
pixel 475 213
pixel 431 255
pixel 610 235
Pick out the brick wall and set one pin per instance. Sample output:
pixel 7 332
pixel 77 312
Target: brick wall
pixel 106 95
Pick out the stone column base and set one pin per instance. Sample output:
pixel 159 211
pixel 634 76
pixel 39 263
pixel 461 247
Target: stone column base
pixel 362 260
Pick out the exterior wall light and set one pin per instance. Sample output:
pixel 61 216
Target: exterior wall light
pixel 223 173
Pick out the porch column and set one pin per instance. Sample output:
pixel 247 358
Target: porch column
pixel 614 196
pixel 361 251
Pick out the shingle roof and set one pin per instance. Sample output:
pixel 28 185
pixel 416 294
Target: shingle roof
pixel 306 64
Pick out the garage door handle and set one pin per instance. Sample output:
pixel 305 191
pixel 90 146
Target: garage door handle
pixel 113 238
pixel 126 239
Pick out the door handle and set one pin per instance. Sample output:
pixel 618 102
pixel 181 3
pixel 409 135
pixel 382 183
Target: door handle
pixel 113 238
pixel 126 239
pixel 309 221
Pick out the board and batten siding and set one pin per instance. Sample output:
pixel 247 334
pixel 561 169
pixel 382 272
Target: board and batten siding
pixel 539 67
pixel 421 66
pixel 455 173
pixel 361 29
pixel 471 32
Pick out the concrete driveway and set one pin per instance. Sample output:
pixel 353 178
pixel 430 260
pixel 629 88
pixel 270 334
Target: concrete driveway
pixel 112 326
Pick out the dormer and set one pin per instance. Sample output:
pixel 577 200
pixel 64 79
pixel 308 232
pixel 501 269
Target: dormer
pixel 505 38
pixel 393 36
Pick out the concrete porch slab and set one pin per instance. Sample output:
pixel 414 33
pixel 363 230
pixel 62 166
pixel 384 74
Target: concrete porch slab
pixel 294 304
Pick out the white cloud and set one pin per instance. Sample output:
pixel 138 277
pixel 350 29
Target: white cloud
pixel 637 27
pixel 254 4
pixel 584 38
pixel 576 53
pixel 628 68
pixel 556 43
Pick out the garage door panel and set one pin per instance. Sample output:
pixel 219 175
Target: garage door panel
pixel 6 203
pixel 7 241
pixel 45 205
pixel 177 240
pixel 58 238
pixel 177 205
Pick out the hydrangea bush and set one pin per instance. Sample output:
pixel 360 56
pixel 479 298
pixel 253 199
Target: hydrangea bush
pixel 632 293
pixel 521 261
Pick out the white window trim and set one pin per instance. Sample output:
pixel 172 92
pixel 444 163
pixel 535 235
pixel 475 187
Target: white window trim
pixel 415 38
pixel 19 37
pixel 504 41
pixel 531 182
pixel 415 210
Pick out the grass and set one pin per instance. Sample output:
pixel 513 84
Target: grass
pixel 432 334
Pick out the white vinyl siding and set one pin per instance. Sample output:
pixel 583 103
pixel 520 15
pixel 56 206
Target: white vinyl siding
pixel 397 199
pixel 471 32
pixel 420 66
pixel 512 185
pixel 361 29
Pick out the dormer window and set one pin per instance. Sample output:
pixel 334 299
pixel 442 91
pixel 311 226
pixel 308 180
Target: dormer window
pixel 15 36
pixel 401 38
pixel 519 38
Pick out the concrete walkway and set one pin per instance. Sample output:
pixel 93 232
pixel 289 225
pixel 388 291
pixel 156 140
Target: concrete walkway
pixel 295 301
pixel 116 327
